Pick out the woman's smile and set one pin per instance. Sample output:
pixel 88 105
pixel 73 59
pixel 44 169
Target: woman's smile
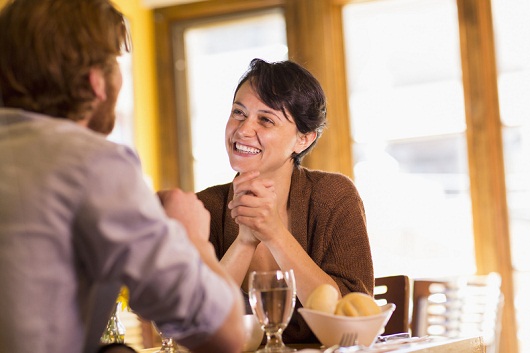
pixel 245 149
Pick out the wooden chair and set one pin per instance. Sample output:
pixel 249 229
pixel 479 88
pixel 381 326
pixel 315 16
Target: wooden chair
pixel 394 289
pixel 459 307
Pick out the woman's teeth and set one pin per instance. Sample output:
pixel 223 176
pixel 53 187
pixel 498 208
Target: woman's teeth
pixel 246 149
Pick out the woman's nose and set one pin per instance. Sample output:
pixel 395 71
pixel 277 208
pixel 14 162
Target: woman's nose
pixel 247 127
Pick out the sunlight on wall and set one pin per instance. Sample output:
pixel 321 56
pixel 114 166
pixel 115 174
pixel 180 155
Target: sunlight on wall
pixel 145 91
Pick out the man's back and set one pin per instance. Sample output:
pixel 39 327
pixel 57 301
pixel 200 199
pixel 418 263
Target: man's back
pixel 76 222
pixel 43 181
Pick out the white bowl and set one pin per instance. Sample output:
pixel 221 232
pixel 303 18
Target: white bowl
pixel 253 333
pixel 329 328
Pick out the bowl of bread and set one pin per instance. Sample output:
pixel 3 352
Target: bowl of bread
pixel 355 313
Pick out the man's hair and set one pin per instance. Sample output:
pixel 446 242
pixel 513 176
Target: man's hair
pixel 48 48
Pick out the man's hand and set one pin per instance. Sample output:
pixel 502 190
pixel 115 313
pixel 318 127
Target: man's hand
pixel 188 210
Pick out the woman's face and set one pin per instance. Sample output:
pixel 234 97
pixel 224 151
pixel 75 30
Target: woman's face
pixel 258 137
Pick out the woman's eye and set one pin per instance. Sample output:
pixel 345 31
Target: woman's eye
pixel 266 120
pixel 238 114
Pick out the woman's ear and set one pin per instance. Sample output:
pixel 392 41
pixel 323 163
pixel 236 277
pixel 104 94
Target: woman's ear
pixel 305 140
pixel 97 81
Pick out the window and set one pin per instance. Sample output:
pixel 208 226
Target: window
pixel 408 132
pixel 217 54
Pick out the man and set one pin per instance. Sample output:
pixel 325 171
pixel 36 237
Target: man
pixel 76 219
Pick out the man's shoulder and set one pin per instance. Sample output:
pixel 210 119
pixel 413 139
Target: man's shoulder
pixel 87 143
pixel 51 134
pixel 71 141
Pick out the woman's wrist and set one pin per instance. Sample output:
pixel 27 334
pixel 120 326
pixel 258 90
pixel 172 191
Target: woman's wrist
pixel 281 240
pixel 249 244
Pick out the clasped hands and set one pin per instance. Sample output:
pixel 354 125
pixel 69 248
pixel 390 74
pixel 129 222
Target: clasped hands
pixel 255 208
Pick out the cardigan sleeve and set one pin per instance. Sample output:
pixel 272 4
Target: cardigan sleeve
pixel 340 243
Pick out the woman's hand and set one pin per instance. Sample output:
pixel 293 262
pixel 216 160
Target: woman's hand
pixel 246 236
pixel 255 207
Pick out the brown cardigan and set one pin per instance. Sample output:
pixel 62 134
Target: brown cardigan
pixel 327 219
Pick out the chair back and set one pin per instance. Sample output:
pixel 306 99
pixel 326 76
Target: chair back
pixel 459 307
pixel 394 289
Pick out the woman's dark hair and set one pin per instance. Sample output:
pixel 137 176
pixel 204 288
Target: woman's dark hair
pixel 62 48
pixel 289 87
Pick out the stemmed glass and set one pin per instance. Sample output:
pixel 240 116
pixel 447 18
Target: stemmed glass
pixel 168 344
pixel 272 296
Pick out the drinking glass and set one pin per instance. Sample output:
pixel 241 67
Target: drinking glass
pixel 168 344
pixel 272 296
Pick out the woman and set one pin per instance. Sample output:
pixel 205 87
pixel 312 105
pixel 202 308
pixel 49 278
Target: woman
pixel 276 214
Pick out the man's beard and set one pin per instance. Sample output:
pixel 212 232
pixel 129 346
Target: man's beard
pixel 104 116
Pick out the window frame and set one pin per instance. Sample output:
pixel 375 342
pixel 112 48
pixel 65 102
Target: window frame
pixel 485 155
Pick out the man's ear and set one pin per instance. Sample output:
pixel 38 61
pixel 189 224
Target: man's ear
pixel 305 140
pixel 97 81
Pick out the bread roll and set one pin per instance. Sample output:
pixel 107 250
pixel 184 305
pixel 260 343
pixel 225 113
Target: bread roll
pixel 357 304
pixel 323 298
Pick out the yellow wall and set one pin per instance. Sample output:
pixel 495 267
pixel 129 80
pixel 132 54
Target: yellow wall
pixel 144 78
pixel 145 93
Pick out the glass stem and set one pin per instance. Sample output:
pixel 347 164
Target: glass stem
pixel 274 341
pixel 168 346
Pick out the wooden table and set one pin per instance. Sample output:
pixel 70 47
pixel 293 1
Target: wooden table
pixel 460 345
